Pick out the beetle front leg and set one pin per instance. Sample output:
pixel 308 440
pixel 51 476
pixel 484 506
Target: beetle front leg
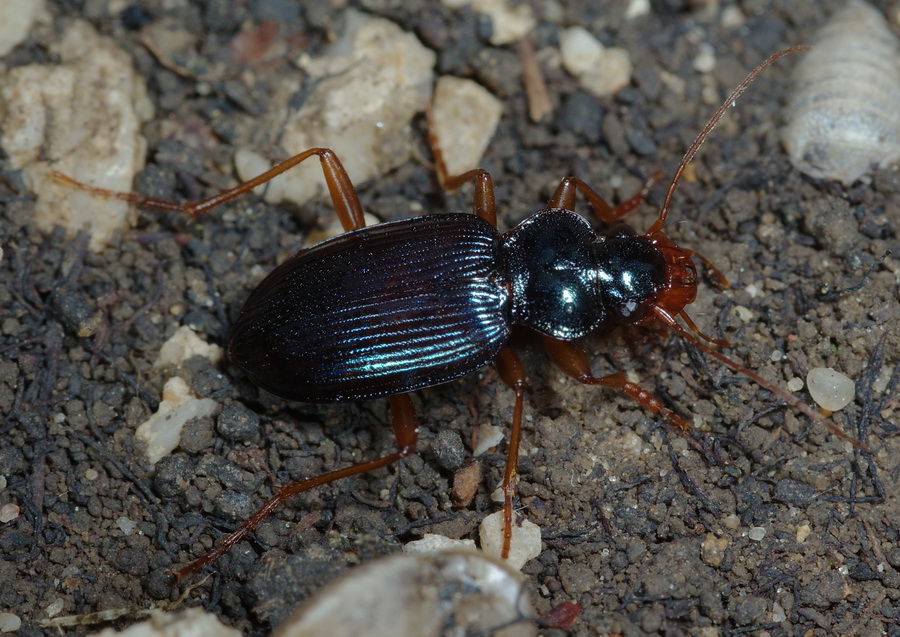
pixel 406 431
pixel 564 197
pixel 572 360
pixel 340 188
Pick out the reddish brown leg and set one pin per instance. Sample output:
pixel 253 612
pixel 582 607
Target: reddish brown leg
pixel 484 205
pixel 406 430
pixel 513 374
pixel 343 194
pixel 564 197
pixel 571 359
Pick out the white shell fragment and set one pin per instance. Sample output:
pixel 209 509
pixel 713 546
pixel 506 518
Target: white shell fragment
pixel 601 70
pixel 82 118
pixel 366 90
pixel 185 344
pixel 843 117
pixel 162 431
pixel 464 117
pixel 830 389
pixel 526 539
pixel 448 593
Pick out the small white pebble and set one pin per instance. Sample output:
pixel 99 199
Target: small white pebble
pixel 803 532
pixel 795 384
pixel 125 525
pixel 776 355
pixel 732 17
pixel 488 436
pixel 91 474
pixel 9 623
pixel 778 614
pixel 705 61
pixel 9 512
pixel 525 544
pixel 757 533
pixel 431 543
pixel 637 8
pixel 601 70
pixel 743 313
pixel 830 389
pixel 464 118
pixel 54 608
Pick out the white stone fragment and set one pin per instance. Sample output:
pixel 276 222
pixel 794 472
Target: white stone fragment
pixel 9 623
pixel 705 60
pixel 185 344
pixel 162 431
pixel 757 533
pixel 525 544
pixel 9 512
pixel 778 614
pixel 831 389
pixel 732 17
pixel 16 20
pixel 367 88
pixel 431 543
pixel 191 622
pixel 82 118
pixel 601 70
pixel 803 532
pixel 126 525
pixel 745 314
pixel 510 22
pixel 465 117
pixel 637 8
pixel 488 436
pixel 55 608
pixel 418 595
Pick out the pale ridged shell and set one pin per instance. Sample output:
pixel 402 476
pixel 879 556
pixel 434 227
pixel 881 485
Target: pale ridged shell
pixel 843 117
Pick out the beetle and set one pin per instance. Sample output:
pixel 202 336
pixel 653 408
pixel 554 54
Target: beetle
pixel 385 310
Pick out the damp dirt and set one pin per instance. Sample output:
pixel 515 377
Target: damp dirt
pixel 760 521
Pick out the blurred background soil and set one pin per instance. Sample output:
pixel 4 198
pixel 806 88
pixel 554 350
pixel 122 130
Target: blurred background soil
pixel 768 525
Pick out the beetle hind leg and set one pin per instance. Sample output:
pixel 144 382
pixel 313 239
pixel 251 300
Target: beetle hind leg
pixel 406 431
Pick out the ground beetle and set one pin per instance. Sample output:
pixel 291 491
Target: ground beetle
pixel 388 309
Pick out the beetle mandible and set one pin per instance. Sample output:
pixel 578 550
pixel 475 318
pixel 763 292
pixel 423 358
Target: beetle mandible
pixel 385 310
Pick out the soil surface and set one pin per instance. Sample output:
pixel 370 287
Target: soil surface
pixel 761 521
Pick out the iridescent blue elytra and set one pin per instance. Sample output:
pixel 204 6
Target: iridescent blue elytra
pixel 399 306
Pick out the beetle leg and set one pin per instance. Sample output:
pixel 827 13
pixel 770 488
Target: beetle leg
pixel 571 359
pixel 343 194
pixel 484 205
pixel 406 431
pixel 513 374
pixel 564 197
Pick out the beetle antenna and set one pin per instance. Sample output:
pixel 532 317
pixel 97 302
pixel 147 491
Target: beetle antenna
pixel 689 155
pixel 790 399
